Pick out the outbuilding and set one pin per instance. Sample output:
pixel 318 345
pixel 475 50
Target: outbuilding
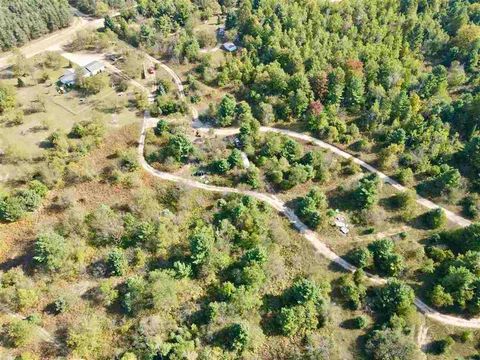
pixel 95 67
pixel 230 47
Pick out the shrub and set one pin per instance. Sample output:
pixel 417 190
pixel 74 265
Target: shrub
pixel 225 291
pixel 38 187
pixel 471 206
pixel 219 166
pixel 117 262
pixel 129 161
pixel 29 198
pixel 89 338
pixel 466 336
pixel 359 322
pixel 105 224
pixel 405 176
pixel 7 98
pixel 440 297
pixel 302 291
pixel 106 293
pixel 237 337
pixel 435 218
pixel 179 147
pixel 296 319
pixel 94 84
pixel 365 194
pixel 19 333
pixel 226 111
pixel 445 345
pixel 391 344
pixel 235 158
pixel 136 295
pixel 82 129
pixel 404 200
pixel 161 128
pixel 27 356
pixel 11 209
pixel 395 298
pixel 60 305
pixel 385 258
pixel 182 270
pixel 51 250
pixel 310 207
pixel 361 257
pixel 352 291
pixel 252 177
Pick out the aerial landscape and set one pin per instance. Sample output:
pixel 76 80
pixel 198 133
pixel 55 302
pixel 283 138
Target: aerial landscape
pixel 239 179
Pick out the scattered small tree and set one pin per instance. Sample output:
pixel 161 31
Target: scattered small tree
pixel 435 218
pixel 51 250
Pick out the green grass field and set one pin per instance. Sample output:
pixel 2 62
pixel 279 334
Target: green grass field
pixel 47 110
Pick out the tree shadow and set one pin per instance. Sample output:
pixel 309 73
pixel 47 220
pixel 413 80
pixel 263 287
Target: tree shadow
pixel 97 269
pixel 435 347
pixel 419 222
pixel 349 324
pixel 388 203
pixel 25 261
pixel 334 267
pixel 340 199
pixel 45 144
pixel 271 305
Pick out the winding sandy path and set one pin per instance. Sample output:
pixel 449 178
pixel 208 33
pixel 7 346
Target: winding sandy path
pixel 280 206
pixel 454 218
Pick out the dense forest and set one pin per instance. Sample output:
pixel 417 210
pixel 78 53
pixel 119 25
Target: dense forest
pixel 24 20
pixel 99 8
pixel 394 78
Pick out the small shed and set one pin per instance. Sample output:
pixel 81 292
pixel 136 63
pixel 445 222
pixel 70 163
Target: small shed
pixel 340 222
pixel 230 47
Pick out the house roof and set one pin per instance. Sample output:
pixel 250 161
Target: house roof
pixel 95 66
pixel 68 78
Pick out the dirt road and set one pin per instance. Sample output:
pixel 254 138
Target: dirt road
pixel 53 41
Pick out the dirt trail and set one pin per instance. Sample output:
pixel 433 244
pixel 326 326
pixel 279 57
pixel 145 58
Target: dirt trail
pixel 422 337
pixel 43 334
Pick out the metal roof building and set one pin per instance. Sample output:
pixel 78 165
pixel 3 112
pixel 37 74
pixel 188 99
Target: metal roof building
pixel 95 67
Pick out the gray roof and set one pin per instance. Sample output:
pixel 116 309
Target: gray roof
pixel 95 66
pixel 229 46
pixel 68 78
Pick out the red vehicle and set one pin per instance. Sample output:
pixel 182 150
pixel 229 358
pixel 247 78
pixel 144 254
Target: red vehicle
pixel 151 70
